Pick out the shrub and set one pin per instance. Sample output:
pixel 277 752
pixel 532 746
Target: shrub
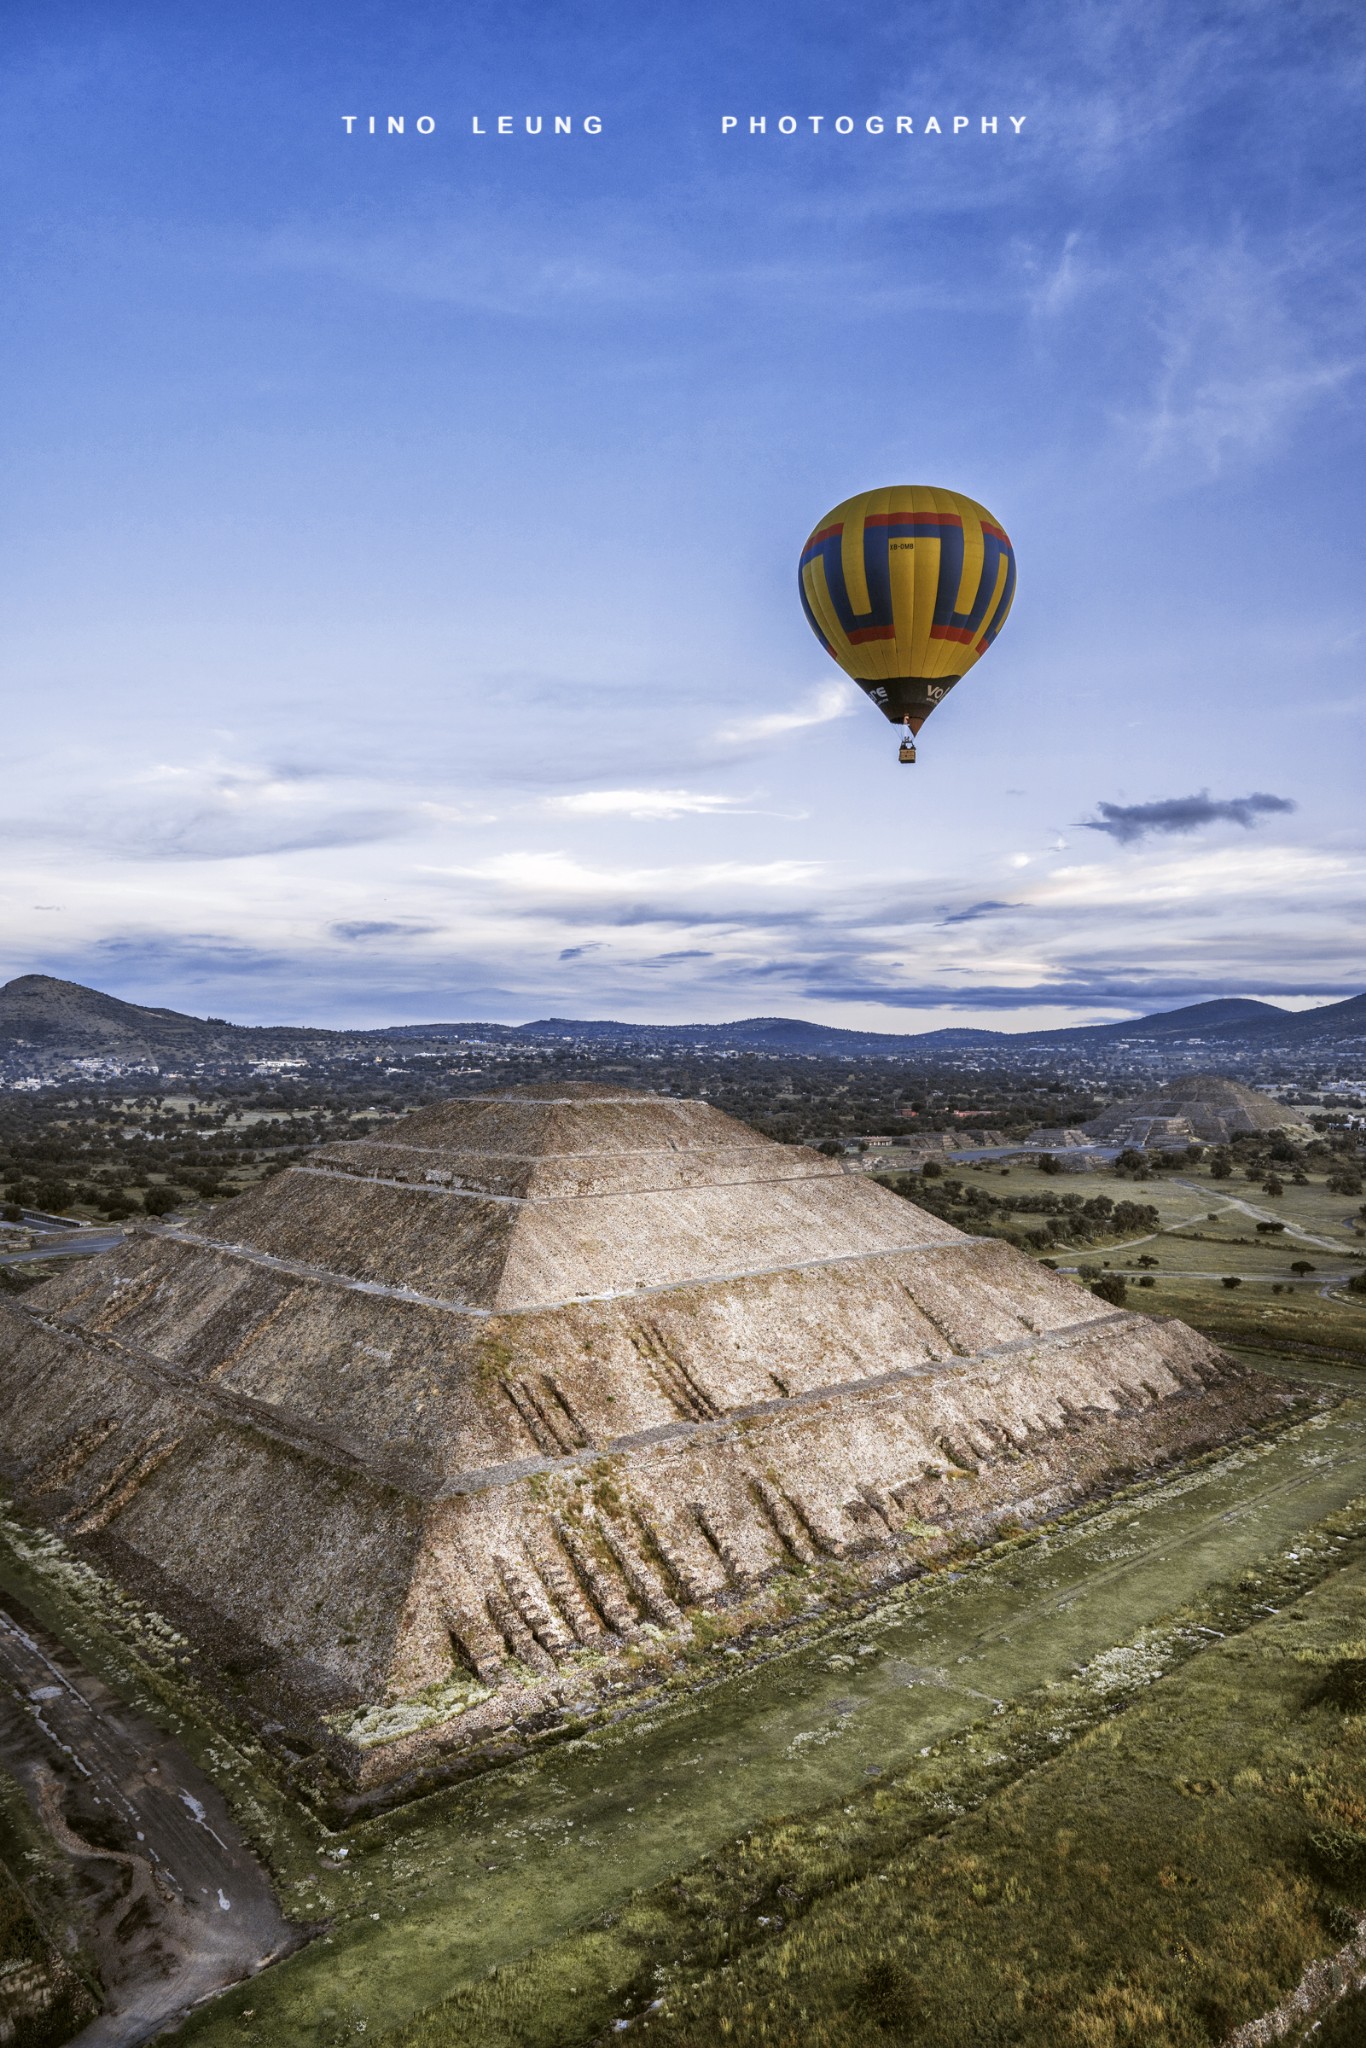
pixel 1231 1280
pixel 1047 1162
pixel 1129 1160
pixel 1357 1283
pixel 1272 1185
pixel 1134 1216
pixel 1340 1854
pixel 1111 1287
pixel 13 1213
pixel 1269 1228
pixel 161 1201
pixel 1343 1685
pixel 1147 1281
pixel 931 1170
pixel 53 1194
pixel 1346 1183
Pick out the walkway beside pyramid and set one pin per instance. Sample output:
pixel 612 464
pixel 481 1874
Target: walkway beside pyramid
pixel 457 1414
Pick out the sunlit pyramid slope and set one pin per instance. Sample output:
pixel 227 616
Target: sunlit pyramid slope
pixel 471 1404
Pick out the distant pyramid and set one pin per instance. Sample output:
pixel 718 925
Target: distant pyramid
pixel 1212 1107
pixel 526 1373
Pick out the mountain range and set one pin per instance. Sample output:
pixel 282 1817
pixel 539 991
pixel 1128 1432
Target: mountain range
pixel 43 1015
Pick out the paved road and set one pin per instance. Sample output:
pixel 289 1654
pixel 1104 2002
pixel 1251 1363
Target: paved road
pixel 71 1247
pixel 179 1908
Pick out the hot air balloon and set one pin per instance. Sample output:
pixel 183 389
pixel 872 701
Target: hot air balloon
pixel 906 588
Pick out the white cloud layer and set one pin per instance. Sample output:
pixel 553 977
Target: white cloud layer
pixel 641 803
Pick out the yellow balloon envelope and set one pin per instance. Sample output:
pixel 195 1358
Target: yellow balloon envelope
pixel 907 588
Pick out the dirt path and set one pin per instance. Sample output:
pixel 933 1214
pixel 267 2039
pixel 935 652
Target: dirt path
pixel 173 1904
pixel 1295 1230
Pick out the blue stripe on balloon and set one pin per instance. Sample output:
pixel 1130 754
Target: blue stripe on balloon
pixel 812 621
pixel 998 617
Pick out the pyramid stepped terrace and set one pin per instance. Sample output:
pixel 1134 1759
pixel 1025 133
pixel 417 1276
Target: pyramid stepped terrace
pixel 448 1428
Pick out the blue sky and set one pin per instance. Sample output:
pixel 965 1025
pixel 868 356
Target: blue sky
pixel 401 532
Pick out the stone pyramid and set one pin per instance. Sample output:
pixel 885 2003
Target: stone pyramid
pixel 463 1414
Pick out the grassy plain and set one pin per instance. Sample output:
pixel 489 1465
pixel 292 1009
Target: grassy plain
pixel 551 1873
pixel 1151 1852
pixel 1207 1232
pixel 1165 1880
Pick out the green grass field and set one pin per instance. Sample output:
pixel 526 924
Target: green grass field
pixel 1156 1865
pixel 1208 1232
pixel 550 1896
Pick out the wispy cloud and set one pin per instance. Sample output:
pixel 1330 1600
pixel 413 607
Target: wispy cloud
pixel 1249 339
pixel 976 910
pixel 555 877
pixel 818 707
pixel 641 803
pixel 1129 823
pixel 214 811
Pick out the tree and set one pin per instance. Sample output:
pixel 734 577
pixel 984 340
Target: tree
pixel 931 1170
pixel 1272 1186
pixel 1047 1162
pixel 1231 1280
pixel 1302 1266
pixel 161 1201
pixel 1130 1160
pixel 1220 1166
pixel 1111 1287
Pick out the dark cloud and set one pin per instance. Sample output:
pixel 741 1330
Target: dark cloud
pixel 976 910
pixel 368 928
pixel 1129 822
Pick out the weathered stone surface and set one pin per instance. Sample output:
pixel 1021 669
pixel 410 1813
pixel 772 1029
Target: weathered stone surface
pixel 483 1399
